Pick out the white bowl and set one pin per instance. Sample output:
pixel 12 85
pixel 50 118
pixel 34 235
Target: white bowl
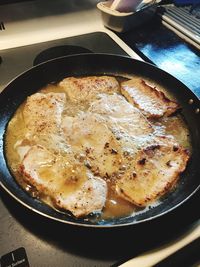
pixel 122 22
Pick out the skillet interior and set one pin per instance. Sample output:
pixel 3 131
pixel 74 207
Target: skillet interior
pixel 99 64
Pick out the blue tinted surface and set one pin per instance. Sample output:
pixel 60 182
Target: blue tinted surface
pixel 157 44
pixel 179 61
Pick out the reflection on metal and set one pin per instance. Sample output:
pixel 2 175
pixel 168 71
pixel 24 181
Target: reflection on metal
pixel 177 59
pixel 185 19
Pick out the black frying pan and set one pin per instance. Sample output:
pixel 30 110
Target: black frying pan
pixel 99 64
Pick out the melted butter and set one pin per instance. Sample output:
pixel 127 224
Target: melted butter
pixel 116 207
pixel 15 132
pixel 73 179
pixel 63 176
pixel 176 127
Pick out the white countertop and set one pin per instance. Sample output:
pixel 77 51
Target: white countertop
pixel 39 21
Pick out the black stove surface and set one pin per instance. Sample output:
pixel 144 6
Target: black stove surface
pixel 59 51
pixel 159 45
pixel 53 244
pixel 17 60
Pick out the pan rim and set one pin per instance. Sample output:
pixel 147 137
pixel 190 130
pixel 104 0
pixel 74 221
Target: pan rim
pixel 101 226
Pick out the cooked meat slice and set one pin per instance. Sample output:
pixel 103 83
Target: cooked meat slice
pixel 175 127
pixel 113 105
pixel 93 143
pixel 121 115
pixel 42 116
pixel 129 126
pixel 68 184
pixel 154 171
pixel 42 112
pixel 87 88
pixel 22 151
pixel 151 101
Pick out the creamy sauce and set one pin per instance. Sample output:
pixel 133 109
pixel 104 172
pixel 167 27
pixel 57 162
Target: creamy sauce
pixel 115 206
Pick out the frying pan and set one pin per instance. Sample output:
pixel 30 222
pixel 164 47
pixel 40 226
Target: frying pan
pixel 100 64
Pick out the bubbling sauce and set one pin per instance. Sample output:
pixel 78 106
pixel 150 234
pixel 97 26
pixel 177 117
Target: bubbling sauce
pixel 115 206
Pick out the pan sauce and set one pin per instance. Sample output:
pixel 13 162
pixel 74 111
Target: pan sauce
pixel 115 206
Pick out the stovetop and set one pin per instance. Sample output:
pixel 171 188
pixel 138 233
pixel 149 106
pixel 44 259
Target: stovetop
pixel 49 243
pixel 19 59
